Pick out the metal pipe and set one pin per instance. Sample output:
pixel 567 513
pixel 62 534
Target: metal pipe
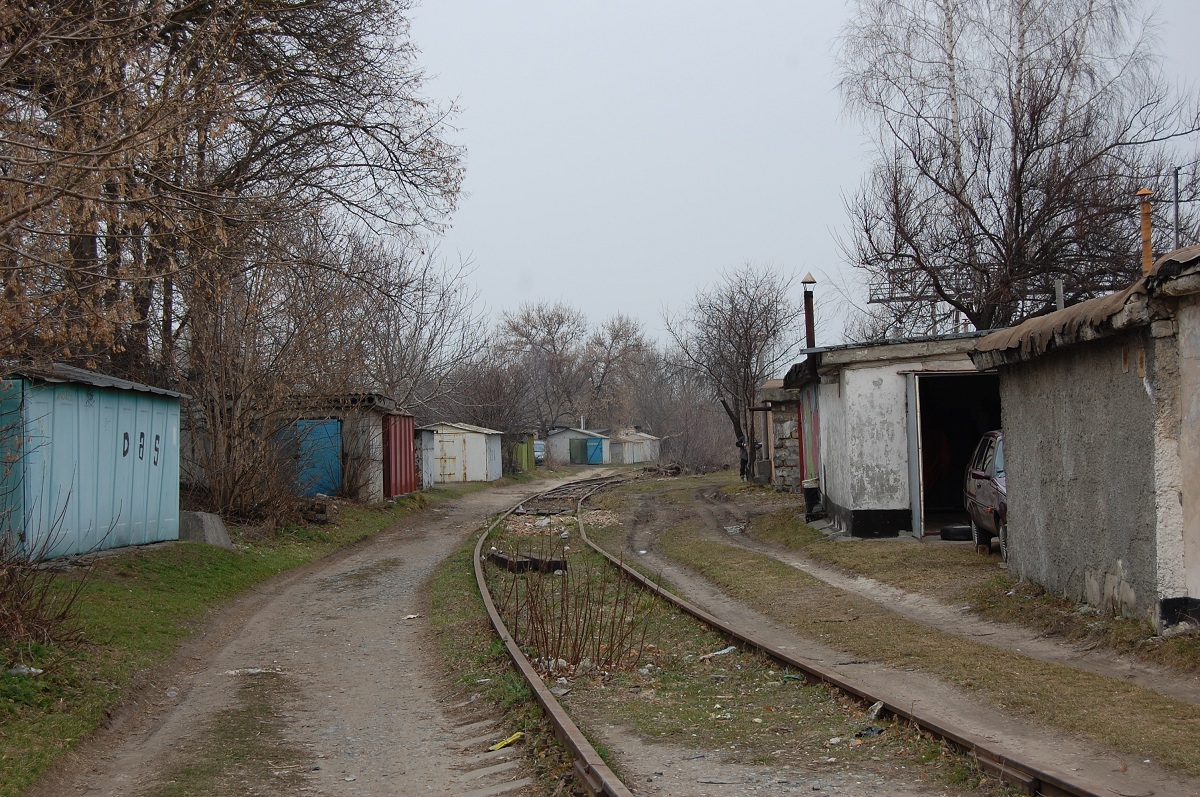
pixel 1176 207
pixel 1147 248
pixel 810 322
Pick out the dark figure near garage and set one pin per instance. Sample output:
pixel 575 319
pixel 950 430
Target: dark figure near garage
pixel 743 458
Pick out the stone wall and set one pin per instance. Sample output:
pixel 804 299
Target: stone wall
pixel 786 439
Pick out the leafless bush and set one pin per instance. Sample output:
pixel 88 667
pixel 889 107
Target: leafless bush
pixel 570 617
pixel 36 607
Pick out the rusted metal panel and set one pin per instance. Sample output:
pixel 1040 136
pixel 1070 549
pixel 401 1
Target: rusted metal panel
pixel 399 455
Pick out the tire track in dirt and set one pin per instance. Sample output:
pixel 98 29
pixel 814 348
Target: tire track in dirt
pixel 1050 748
pixel 960 620
pixel 369 706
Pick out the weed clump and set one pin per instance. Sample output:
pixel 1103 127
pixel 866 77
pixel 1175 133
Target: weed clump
pixel 578 616
pixel 36 610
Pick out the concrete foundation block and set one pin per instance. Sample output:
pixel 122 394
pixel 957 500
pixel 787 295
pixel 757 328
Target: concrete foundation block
pixel 204 527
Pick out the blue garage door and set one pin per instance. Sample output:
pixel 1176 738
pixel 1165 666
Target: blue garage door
pixel 595 451
pixel 319 457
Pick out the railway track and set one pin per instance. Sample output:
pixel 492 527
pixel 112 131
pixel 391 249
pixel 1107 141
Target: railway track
pixel 599 780
pixel 590 770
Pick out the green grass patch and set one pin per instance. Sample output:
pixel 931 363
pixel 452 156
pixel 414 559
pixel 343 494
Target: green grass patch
pixel 137 607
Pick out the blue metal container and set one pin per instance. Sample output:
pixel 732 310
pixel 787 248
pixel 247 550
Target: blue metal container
pixel 89 462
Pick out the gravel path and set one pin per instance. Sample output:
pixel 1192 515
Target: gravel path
pixel 365 697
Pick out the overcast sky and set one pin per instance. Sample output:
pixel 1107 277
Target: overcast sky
pixel 622 153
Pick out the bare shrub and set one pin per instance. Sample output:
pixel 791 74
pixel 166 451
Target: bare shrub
pixel 568 616
pixel 36 607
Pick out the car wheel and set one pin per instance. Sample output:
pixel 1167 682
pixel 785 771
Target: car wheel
pixel 1003 529
pixel 980 537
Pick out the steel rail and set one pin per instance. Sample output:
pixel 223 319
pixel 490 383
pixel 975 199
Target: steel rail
pixel 1026 777
pixel 591 771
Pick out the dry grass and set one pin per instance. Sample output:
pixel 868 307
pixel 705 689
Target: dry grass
pixel 740 705
pixel 957 575
pixel 1134 720
pixel 748 709
pixel 947 572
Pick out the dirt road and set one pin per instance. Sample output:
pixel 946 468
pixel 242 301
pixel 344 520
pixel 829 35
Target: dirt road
pixel 325 682
pixel 332 670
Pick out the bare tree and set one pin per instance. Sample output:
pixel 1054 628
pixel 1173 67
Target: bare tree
pixel 419 323
pixel 737 334
pixel 549 338
pixel 675 403
pixel 192 195
pixel 495 393
pixel 140 140
pixel 258 342
pixel 1012 137
pixel 572 370
pixel 611 358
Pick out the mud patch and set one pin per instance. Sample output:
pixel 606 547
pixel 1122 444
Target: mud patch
pixel 361 578
pixel 228 759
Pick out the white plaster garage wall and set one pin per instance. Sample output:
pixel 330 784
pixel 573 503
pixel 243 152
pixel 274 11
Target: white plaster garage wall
pixel 864 430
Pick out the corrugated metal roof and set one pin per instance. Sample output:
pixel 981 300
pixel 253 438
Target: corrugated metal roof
pixel 1088 320
pixel 61 373
pixel 466 427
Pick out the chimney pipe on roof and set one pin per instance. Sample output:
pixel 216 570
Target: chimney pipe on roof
pixel 1147 249
pixel 810 322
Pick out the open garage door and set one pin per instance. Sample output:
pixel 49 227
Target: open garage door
pixel 947 414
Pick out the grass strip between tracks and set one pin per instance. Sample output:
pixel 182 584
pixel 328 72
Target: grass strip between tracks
pixel 1134 720
pixel 737 706
pixel 480 664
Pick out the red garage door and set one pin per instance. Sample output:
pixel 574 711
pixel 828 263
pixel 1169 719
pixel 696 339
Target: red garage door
pixel 399 456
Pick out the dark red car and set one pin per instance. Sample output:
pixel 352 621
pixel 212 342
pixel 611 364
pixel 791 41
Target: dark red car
pixel 985 493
